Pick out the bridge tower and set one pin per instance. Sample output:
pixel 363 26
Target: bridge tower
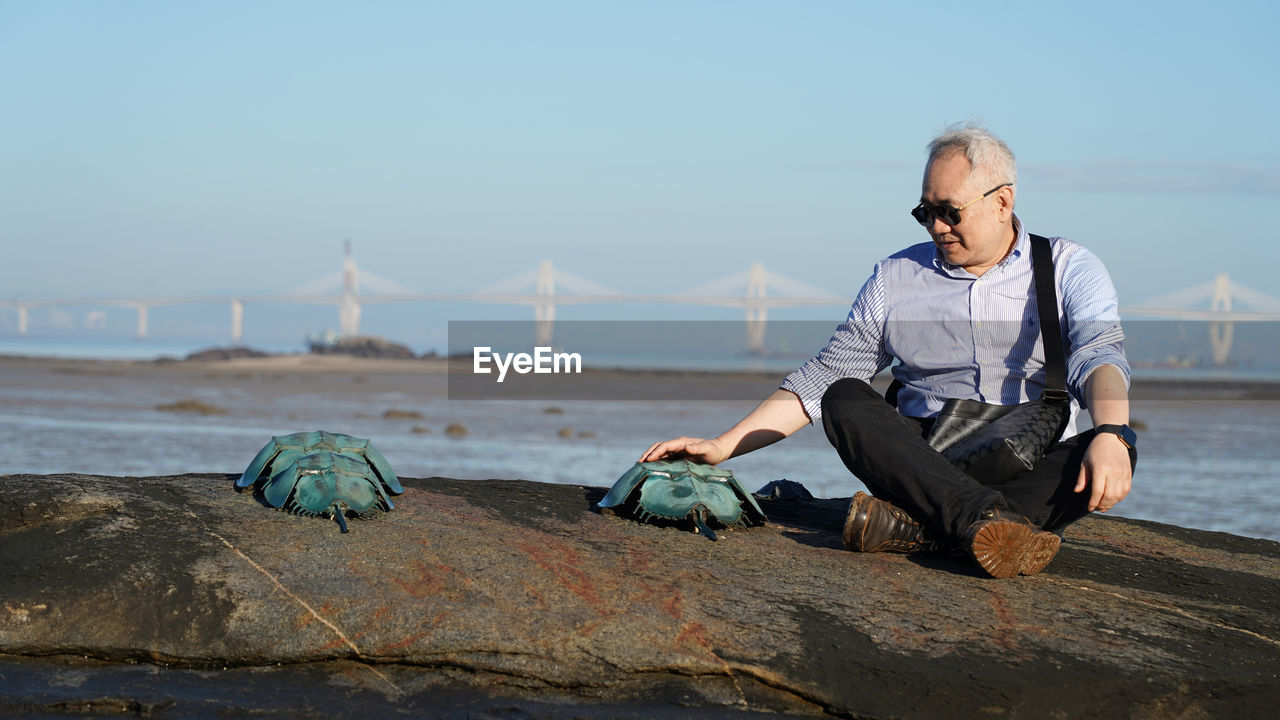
pixel 1221 333
pixel 237 322
pixel 544 312
pixel 142 321
pixel 349 309
pixel 758 312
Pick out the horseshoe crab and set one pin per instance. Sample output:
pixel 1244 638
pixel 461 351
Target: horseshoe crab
pixel 679 490
pixel 322 473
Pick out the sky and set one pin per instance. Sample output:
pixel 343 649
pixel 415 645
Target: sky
pixel 193 148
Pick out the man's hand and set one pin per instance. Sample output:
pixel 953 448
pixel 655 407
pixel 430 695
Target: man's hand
pixel 1106 469
pixel 695 449
pixel 780 415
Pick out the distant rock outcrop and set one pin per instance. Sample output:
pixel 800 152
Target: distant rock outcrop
pixel 364 346
pixel 197 407
pixel 227 353
pixel 518 599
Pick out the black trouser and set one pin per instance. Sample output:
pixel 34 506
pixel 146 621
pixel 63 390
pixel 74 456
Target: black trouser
pixel 888 453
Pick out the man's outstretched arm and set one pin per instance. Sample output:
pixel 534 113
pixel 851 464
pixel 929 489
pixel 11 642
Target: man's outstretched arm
pixel 1106 470
pixel 780 415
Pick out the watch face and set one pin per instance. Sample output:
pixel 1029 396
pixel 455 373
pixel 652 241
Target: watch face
pixel 1129 436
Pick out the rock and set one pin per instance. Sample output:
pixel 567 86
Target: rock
pixel 394 414
pixel 420 430
pixel 227 353
pixel 784 489
pixel 553 410
pixel 365 346
pixel 519 599
pixel 192 406
pixel 455 430
pixel 565 432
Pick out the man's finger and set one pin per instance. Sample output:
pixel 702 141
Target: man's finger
pixel 1082 479
pixel 659 450
pixel 1099 490
pixel 1116 490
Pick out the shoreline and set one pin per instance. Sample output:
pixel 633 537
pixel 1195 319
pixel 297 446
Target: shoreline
pixel 140 417
pixel 1143 388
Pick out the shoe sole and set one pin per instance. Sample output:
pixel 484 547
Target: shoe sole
pixel 856 521
pixel 1005 548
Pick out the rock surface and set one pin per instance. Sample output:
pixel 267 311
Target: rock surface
pixel 518 599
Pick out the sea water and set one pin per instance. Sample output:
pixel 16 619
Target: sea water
pixel 1208 464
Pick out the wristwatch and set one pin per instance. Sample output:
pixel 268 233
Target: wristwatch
pixel 1125 433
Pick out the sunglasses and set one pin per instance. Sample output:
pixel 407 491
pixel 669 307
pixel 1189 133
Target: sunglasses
pixel 925 213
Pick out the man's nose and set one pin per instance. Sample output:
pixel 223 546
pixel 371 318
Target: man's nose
pixel 939 226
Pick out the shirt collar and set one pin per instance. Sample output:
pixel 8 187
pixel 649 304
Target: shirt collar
pixel 1019 245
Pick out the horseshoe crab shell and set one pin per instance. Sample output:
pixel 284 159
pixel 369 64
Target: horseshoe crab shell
pixel 322 473
pixel 679 490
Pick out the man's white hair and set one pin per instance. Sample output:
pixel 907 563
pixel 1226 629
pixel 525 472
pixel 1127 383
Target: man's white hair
pixel 991 161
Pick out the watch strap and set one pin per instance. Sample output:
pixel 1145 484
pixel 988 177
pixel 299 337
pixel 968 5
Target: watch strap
pixel 1124 432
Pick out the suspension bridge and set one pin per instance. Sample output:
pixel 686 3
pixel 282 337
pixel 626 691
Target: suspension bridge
pixel 755 290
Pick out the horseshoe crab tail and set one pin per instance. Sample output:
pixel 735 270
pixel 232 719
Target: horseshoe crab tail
pixel 341 517
pixel 700 519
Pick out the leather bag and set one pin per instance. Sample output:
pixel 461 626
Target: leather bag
pixel 996 443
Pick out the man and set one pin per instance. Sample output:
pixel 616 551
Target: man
pixel 950 312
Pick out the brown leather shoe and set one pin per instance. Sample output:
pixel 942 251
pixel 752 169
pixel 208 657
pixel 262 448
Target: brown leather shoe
pixel 877 526
pixel 1006 544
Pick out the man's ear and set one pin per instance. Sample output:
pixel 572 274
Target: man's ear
pixel 1004 203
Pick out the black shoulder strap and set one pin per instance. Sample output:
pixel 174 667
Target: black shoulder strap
pixel 1055 362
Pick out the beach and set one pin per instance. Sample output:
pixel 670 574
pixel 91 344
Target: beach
pixel 1206 453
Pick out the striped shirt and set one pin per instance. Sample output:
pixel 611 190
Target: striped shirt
pixel 955 335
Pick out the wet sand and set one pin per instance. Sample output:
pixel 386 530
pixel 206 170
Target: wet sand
pixel 429 378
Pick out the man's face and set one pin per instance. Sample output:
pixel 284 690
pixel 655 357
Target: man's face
pixel 984 234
